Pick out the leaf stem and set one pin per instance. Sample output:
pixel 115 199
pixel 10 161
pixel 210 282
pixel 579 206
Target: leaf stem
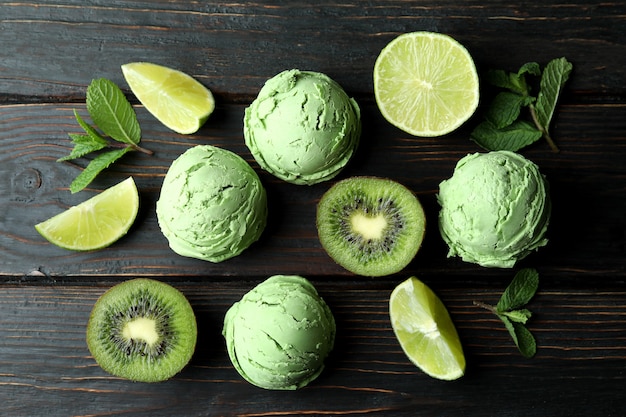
pixel 134 147
pixel 143 150
pixel 485 306
pixel 542 129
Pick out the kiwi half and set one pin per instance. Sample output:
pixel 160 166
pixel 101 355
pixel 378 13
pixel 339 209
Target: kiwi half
pixel 142 330
pixel 371 226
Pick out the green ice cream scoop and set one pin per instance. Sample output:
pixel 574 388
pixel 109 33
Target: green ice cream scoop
pixel 279 334
pixel 302 128
pixel 495 209
pixel 212 204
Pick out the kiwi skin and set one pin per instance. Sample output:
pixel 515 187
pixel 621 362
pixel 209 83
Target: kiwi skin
pixel 138 359
pixel 371 199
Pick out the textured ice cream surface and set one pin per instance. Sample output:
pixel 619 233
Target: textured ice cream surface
pixel 212 204
pixel 302 128
pixel 279 334
pixel 495 209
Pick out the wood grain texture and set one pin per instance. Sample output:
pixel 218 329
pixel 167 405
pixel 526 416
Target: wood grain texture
pixel 44 358
pixel 220 42
pixel 588 194
pixel 52 49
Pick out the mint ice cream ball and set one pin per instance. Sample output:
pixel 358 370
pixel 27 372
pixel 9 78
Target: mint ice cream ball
pixel 495 209
pixel 302 128
pixel 279 334
pixel 212 204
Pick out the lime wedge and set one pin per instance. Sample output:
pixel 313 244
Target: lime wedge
pixel 426 83
pixel 425 330
pixel 94 223
pixel 176 99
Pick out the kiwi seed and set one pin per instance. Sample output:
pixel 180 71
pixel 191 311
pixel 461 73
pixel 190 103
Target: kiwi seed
pixel 142 330
pixel 370 226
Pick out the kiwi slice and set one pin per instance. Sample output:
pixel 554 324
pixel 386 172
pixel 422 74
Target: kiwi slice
pixel 371 226
pixel 142 330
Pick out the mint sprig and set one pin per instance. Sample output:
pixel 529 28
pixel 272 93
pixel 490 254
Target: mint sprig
pixel 510 309
pixel 113 114
pixel 504 127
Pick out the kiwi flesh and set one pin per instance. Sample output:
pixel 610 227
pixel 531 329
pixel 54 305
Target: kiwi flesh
pixel 370 226
pixel 142 330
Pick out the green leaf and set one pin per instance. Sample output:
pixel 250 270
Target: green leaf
pixel 504 109
pixel 519 79
pixel 503 79
pixel 520 290
pixel 98 164
pixel 554 77
pixel 519 316
pixel 523 338
pixel 512 138
pixel 111 112
pixel 83 144
pixel 531 68
pixel 93 133
pixel 516 82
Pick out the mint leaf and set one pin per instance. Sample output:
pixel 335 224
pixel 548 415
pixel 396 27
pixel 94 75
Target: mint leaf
pixel 520 290
pixel 500 78
pixel 83 144
pixel 515 82
pixel 114 115
pixel 504 109
pixel 512 138
pixel 554 77
pixel 504 113
pixel 95 167
pixel 523 338
pixel 111 112
pixel 531 68
pixel 519 316
pixel 504 79
pixel 93 133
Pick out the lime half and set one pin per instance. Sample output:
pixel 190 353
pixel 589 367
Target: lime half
pixel 425 330
pixel 94 223
pixel 426 83
pixel 176 99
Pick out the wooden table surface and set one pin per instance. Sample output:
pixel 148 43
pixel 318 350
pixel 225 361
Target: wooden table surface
pixel 50 52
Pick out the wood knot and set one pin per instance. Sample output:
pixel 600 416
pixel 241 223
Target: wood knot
pixel 27 180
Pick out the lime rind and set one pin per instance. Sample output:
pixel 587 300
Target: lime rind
pixel 425 330
pixel 426 83
pixel 95 223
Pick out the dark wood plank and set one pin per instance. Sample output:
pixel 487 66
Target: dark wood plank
pixel 221 42
pixel 587 231
pixel 43 358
